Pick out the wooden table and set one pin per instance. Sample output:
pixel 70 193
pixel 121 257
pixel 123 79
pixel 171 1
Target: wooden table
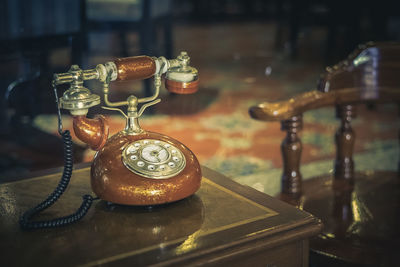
pixel 223 224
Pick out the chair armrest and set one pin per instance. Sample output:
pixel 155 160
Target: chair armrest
pixel 284 110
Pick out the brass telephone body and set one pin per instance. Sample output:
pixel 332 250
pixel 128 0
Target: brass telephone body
pixel 135 166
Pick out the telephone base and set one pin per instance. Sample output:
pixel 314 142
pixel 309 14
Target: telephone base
pixel 112 180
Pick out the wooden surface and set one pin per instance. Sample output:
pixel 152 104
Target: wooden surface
pixel 361 224
pixel 223 223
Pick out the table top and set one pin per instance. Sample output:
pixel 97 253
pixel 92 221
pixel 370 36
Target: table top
pixel 222 215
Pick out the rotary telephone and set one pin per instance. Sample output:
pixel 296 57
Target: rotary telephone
pixel 135 166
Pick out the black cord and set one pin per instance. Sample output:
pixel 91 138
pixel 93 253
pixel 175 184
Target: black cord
pixel 25 220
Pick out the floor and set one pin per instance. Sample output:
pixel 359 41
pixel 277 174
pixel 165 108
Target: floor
pixel 239 67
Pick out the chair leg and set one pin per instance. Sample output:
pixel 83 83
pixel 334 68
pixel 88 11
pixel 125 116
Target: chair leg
pixel 343 183
pixel 345 136
pixel 291 153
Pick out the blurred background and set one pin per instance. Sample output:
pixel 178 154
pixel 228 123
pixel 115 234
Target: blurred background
pixel 246 52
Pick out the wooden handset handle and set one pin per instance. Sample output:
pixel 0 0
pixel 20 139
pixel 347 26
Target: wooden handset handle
pixel 135 68
pixel 179 80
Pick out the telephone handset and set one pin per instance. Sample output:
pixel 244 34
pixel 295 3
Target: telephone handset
pixel 135 166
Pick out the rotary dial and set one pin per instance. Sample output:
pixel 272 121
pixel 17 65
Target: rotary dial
pixel 153 158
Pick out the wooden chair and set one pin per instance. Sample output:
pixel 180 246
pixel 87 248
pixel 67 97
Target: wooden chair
pixel 360 210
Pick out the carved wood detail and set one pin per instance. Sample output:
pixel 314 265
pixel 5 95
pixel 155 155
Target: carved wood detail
pixel 291 153
pixel 283 110
pixel 344 138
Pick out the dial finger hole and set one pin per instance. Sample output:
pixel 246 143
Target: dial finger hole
pixel 171 164
pixel 132 150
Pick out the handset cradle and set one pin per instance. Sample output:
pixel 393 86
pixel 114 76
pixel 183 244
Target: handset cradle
pixel 135 166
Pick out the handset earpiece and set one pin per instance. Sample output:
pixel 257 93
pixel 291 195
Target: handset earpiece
pixel 182 79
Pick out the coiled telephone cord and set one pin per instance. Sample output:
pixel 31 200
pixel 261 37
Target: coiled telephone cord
pixel 25 220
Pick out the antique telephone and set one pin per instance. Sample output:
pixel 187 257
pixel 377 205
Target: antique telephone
pixel 135 166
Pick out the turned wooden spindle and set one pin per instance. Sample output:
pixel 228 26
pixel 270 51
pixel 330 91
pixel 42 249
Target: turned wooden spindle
pixel 291 154
pixel 345 136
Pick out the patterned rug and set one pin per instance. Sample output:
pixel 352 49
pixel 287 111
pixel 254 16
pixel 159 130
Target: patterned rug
pixel 226 139
pixel 235 74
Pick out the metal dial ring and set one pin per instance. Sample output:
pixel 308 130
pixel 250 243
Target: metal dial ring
pixel 152 158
